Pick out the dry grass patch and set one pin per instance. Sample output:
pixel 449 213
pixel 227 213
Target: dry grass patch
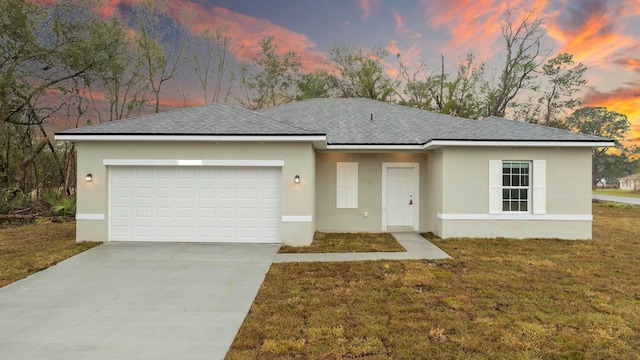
pixel 497 299
pixel 27 249
pixel 347 242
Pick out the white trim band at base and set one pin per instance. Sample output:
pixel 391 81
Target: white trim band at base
pixel 297 219
pixel 521 217
pixel 89 216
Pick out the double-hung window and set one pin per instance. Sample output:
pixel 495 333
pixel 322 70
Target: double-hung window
pixel 516 186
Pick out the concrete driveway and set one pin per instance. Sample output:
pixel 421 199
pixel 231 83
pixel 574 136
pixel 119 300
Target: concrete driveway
pixel 621 199
pixel 133 301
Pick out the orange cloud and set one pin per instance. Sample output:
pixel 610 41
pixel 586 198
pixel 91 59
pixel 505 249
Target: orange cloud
pixel 630 63
pixel 590 30
pixel 472 24
pixel 475 25
pixel 368 7
pixel 623 100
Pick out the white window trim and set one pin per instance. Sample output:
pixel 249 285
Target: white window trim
pixel 347 185
pixel 537 196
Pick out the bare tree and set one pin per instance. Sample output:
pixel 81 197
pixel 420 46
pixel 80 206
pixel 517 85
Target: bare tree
pixel 210 61
pixel 523 58
pixel 158 38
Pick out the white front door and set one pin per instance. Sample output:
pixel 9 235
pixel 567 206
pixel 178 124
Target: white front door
pixel 401 195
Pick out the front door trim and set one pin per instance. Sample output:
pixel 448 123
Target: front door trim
pixel 416 191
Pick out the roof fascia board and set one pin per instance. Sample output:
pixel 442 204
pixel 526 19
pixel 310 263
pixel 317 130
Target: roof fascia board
pixel 436 143
pixel 470 143
pixel 274 138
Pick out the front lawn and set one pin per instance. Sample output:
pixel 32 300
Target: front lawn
pixel 27 249
pixel 617 192
pixel 347 242
pixel 496 299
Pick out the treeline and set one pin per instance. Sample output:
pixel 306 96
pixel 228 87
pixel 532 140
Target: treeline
pixel 64 66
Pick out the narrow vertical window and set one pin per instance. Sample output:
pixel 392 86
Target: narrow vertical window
pixel 347 185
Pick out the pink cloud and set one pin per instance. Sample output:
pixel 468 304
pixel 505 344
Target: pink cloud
pixel 399 21
pixel 368 7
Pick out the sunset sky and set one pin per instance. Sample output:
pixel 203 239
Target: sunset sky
pixel 602 34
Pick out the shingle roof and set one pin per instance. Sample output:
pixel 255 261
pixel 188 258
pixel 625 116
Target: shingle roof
pixel 215 119
pixel 364 121
pixel 343 121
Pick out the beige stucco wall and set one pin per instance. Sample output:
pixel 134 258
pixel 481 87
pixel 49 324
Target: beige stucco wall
pixel 466 191
pixel 297 199
pixel 434 185
pixel 330 218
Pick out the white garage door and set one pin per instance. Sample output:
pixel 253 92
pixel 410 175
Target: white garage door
pixel 195 204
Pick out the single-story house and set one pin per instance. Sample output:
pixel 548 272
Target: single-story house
pixel 631 182
pixel 219 173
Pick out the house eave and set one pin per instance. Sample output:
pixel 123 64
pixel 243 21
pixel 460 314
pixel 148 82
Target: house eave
pixel 186 137
pixel 320 141
pixel 519 143
pixel 433 144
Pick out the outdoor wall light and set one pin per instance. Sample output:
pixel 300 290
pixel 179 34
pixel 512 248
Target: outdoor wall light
pixel 296 179
pixel 88 178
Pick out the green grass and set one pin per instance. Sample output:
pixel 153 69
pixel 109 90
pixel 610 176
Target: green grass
pixel 496 299
pixel 27 249
pixel 347 242
pixel 617 192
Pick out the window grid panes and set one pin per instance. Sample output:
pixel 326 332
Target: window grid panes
pixel 515 186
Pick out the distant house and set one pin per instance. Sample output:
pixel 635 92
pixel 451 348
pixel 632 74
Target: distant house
pixel 631 182
pixel 219 173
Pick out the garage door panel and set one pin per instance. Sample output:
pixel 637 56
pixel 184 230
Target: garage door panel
pixel 206 193
pixel 185 213
pixel 142 193
pixel 121 212
pixel 248 194
pixel 185 173
pixel 144 173
pixel 121 192
pixel 144 212
pixel 143 232
pixel 164 232
pixel 206 212
pixel 164 193
pixel 197 204
pixel 207 173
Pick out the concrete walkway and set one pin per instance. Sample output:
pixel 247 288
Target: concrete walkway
pixel 134 301
pixel 417 248
pixel 620 199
